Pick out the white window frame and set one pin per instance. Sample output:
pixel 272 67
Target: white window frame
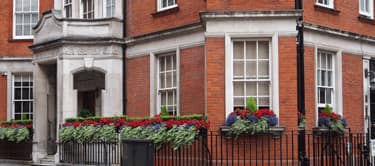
pixel 82 12
pixel 113 8
pixel 30 76
pixel 337 105
pixel 329 5
pixel 71 7
pixel 369 13
pixel 273 68
pixel 14 23
pixel 176 88
pixel 160 8
pixel 333 80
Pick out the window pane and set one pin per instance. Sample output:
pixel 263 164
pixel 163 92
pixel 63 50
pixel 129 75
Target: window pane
pixel 25 93
pixel 25 107
pixel 263 50
pixel 238 50
pixel 329 78
pixel 170 2
pixel 18 30
pixel 26 5
pixel 163 99
pixel 263 101
pixel 170 98
pixel 263 89
pixel 17 117
pixel 18 5
pixel 323 78
pixel 162 64
pixel 164 3
pixel 31 93
pixel 263 68
pixel 323 61
pixel 27 19
pixel 251 89
pixel 34 5
pixel 17 107
pixel 328 96
pixel 18 19
pixel 329 62
pixel 27 30
pixel 251 50
pixel 162 80
pixel 169 80
pixel 238 89
pixel 17 93
pixel 169 63
pixel 239 101
pixel 322 95
pixel 238 69
pixel 34 19
pixel 251 69
pixel 174 79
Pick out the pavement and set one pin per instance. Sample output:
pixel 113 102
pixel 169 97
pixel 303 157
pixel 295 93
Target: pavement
pixel 14 163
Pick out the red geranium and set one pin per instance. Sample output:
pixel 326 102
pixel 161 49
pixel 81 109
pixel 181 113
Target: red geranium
pixel 76 124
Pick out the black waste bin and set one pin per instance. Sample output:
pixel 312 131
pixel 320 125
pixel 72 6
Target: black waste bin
pixel 137 153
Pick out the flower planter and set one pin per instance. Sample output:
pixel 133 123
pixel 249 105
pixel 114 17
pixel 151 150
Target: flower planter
pixel 323 131
pixel 275 131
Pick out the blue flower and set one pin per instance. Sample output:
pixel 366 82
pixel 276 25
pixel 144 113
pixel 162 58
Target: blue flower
pixel 344 122
pixel 252 118
pixel 157 127
pixel 324 121
pixel 272 120
pixel 231 119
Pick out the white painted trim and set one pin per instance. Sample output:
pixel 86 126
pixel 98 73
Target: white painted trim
pixel 153 84
pixel 14 23
pixel 330 4
pixel 178 80
pixel 336 42
pixel 366 92
pixel 187 40
pixel 369 14
pixel 160 8
pixel 9 95
pixel 273 37
pixel 337 79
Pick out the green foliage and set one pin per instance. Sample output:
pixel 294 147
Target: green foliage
pixel 251 105
pixel 67 134
pixel 337 126
pixel 164 111
pixel 177 136
pixel 105 133
pixel 22 122
pixel 87 134
pixel 327 109
pixel 85 113
pixel 242 126
pixel 15 134
pixel 181 136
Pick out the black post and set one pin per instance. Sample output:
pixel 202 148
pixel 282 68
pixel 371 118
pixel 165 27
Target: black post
pixel 124 100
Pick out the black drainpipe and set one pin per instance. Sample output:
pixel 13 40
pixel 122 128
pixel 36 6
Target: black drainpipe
pixel 124 100
pixel 301 84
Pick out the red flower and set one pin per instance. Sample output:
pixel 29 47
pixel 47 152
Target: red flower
pixel 105 121
pixel 29 126
pixel 76 124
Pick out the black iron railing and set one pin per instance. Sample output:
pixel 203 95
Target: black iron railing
pixel 217 149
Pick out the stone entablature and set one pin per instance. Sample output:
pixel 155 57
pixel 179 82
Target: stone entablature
pixel 52 26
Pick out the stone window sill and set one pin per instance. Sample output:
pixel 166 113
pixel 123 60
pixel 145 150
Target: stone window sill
pixel 166 12
pixel 327 10
pixel 20 40
pixel 366 19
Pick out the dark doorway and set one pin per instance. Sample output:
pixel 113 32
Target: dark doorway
pixel 87 106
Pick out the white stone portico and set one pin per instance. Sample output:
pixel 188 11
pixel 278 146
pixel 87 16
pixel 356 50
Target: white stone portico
pixel 74 60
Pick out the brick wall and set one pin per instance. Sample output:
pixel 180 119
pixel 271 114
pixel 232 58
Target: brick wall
pixel 250 4
pixel 142 16
pixel 352 83
pixel 8 46
pixel 3 98
pixel 192 80
pixel 138 86
pixel 310 88
pixel 346 19
pixel 215 81
pixel 288 82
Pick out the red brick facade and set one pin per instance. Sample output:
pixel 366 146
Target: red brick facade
pixel 345 16
pixel 143 19
pixel 138 86
pixel 9 46
pixel 192 80
pixel 243 5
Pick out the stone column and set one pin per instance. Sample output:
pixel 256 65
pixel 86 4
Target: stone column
pixel 40 113
pixel 112 95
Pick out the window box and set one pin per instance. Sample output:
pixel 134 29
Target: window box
pixel 275 131
pixel 324 131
